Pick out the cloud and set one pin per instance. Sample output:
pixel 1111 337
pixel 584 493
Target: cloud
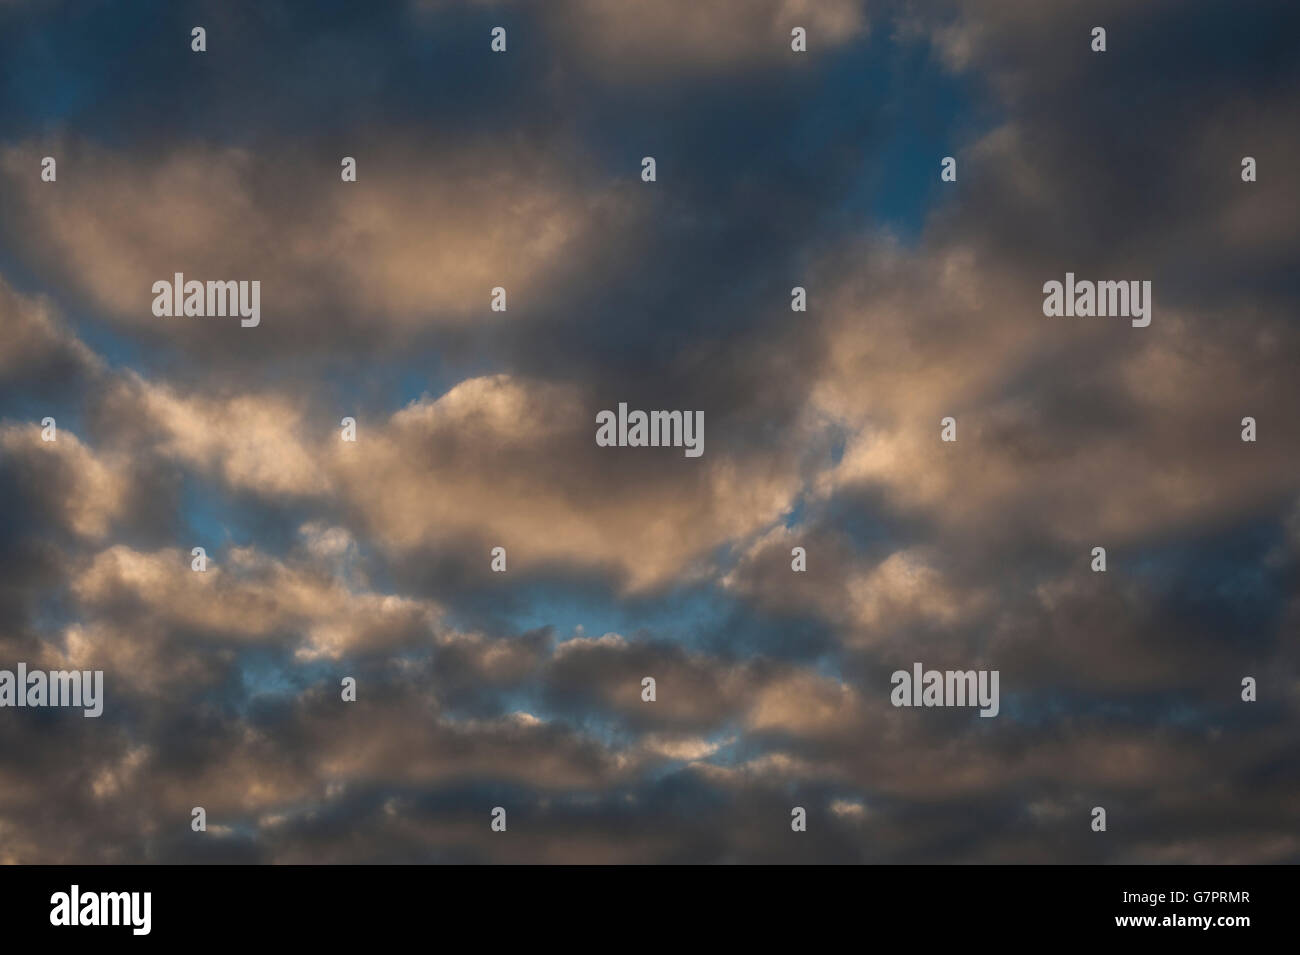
pixel 681 37
pixel 422 237
pixel 35 345
pixel 695 36
pixel 65 479
pixel 510 462
pixel 252 442
pixel 251 597
pixel 476 430
pixel 1122 445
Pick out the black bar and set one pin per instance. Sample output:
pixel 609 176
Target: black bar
pixel 479 905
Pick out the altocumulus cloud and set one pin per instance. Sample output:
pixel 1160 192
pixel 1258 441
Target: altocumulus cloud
pixel 371 559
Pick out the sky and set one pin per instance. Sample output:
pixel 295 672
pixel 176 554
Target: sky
pixel 476 429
